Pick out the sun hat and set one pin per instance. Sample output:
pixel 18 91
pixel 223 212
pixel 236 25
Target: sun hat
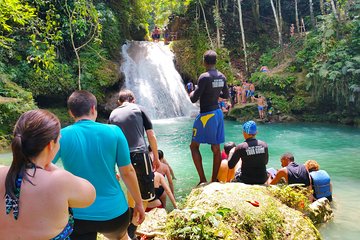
pixel 250 127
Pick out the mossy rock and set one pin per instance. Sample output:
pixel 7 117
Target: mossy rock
pixel 229 211
pixel 244 112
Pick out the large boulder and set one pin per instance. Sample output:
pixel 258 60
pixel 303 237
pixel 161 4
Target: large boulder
pixel 320 211
pixel 232 211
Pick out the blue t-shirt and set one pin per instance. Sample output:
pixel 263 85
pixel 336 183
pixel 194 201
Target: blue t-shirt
pixel 92 150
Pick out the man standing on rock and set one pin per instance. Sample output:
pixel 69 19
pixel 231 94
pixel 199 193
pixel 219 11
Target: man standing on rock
pixel 135 123
pixel 209 124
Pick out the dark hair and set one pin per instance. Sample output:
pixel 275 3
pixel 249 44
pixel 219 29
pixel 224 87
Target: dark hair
pixel 228 146
pixel 210 57
pixel 126 95
pixel 289 156
pixel 80 102
pixel 161 154
pixel 33 131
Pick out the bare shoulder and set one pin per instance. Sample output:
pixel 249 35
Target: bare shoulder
pixel 62 177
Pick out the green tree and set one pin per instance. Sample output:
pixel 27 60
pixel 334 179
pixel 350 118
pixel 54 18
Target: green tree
pixel 13 13
pixel 83 25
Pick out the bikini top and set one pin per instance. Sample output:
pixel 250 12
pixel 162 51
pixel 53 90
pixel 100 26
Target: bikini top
pixel 13 204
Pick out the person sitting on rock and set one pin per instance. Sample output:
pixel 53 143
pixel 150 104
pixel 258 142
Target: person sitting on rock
pixel 166 171
pixel 320 180
pixel 292 172
pixel 253 155
pixel 160 186
pixel 225 174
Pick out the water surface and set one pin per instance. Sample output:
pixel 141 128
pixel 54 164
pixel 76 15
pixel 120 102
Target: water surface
pixel 336 148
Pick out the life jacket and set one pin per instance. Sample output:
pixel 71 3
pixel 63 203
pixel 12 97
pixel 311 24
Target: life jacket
pixel 321 184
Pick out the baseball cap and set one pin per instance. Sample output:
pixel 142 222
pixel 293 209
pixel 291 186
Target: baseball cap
pixel 250 127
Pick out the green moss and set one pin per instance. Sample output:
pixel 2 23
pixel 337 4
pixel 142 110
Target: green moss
pixel 294 196
pixel 199 225
pixel 14 101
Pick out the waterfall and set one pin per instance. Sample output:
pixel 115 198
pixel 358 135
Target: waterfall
pixel 150 73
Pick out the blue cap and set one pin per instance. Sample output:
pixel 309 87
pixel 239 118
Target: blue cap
pixel 250 127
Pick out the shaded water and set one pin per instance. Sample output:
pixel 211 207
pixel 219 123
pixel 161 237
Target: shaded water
pixel 336 148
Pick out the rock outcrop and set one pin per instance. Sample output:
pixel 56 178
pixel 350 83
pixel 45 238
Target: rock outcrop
pixel 232 211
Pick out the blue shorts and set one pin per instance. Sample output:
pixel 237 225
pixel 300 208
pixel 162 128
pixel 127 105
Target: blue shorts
pixel 209 128
pixel 260 108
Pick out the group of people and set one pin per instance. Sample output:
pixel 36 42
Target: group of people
pixel 156 34
pixel 84 198
pixel 240 94
pixel 247 161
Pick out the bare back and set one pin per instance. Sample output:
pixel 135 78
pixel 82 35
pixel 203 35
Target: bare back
pixel 43 208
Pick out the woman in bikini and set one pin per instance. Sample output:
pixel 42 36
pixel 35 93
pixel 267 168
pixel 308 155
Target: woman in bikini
pixel 37 195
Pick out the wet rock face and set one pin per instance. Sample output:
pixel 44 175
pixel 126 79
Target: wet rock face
pixel 232 211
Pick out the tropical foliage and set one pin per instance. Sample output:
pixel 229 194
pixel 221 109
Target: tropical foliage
pixel 332 58
pixel 51 48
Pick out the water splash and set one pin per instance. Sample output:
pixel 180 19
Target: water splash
pixel 150 73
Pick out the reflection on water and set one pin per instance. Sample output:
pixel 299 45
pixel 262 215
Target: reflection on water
pixel 336 148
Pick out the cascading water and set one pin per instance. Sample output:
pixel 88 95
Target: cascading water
pixel 150 73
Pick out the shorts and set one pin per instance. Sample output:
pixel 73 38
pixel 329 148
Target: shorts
pixel 260 108
pixel 209 128
pixel 88 229
pixel 237 176
pixel 144 173
pixel 252 93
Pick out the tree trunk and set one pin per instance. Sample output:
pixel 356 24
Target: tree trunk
pixel 280 16
pixel 277 22
pixel 312 14
pixel 297 16
pixel 242 34
pixel 218 24
pixel 206 26
pixel 256 13
pixel 334 9
pixel 322 7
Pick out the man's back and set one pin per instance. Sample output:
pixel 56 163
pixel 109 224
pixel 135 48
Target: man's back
pixel 211 86
pixel 297 173
pixel 254 156
pixel 91 150
pixel 130 119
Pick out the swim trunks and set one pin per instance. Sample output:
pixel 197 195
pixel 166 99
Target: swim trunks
pixel 144 173
pixel 209 128
pixel 260 108
pixel 88 229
